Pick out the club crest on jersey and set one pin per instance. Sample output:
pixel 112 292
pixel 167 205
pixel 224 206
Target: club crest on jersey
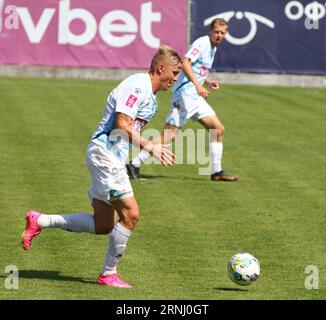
pixel 131 101
pixel 137 90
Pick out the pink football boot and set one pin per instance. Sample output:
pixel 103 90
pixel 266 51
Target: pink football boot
pixel 32 228
pixel 112 280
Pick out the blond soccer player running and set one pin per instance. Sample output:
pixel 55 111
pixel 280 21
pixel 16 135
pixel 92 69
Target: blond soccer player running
pixel 129 107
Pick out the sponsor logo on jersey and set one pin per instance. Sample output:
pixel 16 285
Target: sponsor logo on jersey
pixel 194 51
pixel 131 101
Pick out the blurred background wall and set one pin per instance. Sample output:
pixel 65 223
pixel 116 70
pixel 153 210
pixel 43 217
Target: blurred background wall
pixel 268 41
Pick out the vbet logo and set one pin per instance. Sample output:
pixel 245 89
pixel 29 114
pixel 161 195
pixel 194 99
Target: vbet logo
pixel 293 10
pixel 117 28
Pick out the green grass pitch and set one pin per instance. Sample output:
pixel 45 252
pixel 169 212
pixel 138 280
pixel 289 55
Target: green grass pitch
pixel 189 226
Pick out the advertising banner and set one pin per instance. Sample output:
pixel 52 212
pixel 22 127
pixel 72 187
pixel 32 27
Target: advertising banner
pixel 90 33
pixel 281 36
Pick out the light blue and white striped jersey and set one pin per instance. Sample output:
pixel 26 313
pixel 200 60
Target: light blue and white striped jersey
pixel 202 57
pixel 133 97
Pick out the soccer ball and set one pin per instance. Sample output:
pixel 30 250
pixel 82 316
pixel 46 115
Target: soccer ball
pixel 243 268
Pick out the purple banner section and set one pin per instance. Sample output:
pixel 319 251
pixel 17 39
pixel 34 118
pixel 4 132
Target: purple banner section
pixel 284 36
pixel 90 33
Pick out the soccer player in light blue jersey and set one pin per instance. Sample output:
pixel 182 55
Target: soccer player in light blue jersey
pixel 189 101
pixel 129 107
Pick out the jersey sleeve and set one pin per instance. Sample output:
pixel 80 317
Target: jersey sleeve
pixel 129 97
pixel 195 50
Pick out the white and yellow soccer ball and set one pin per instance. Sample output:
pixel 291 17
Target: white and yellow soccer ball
pixel 243 268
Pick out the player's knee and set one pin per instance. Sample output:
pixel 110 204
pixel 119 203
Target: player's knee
pixel 131 218
pixel 217 133
pixel 102 230
pixel 169 134
pixel 220 130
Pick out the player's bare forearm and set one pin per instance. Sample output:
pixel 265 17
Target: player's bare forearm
pixel 187 69
pixel 124 123
pixel 158 151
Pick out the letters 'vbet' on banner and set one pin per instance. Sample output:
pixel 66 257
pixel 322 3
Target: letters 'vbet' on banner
pixel 89 33
pixel 283 36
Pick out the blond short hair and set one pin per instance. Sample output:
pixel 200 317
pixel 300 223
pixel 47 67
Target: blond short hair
pixel 164 52
pixel 218 21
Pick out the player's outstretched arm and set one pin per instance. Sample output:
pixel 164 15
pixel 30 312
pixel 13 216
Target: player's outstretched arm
pixel 186 67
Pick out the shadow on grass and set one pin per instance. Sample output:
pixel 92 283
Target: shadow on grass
pixel 171 177
pixel 230 289
pixel 51 275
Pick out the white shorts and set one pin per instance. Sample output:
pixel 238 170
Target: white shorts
pixel 110 179
pixel 187 107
